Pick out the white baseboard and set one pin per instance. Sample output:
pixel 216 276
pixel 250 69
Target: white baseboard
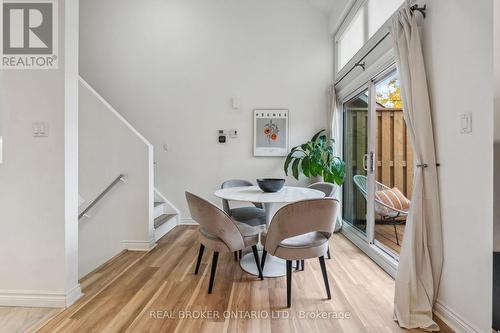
pixel 39 299
pixel 133 245
pixel 73 295
pixel 166 227
pixel 452 319
pixel 188 221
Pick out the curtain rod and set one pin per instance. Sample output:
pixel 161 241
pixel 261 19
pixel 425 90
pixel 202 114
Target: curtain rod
pixel 362 64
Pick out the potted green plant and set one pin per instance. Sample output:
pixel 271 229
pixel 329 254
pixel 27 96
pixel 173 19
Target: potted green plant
pixel 316 158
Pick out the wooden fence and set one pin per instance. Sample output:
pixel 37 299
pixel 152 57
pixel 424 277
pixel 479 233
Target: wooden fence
pixel 394 157
pixel 394 151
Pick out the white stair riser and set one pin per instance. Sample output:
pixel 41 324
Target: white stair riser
pixel 166 227
pixel 159 210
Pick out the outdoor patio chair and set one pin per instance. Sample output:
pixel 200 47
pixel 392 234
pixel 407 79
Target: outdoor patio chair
pixel 389 211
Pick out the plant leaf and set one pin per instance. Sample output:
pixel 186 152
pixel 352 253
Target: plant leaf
pixel 315 137
pixel 316 169
pixel 328 177
pixel 306 169
pixel 322 139
pixel 289 159
pixel 295 168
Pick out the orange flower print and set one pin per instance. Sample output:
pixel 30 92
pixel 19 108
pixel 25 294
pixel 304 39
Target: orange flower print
pixel 271 131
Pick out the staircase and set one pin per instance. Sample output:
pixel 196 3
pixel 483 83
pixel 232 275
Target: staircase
pixel 166 216
pixel 131 217
pixel 160 216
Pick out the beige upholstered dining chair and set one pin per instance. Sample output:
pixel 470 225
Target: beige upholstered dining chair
pixel 299 231
pixel 329 190
pixel 251 215
pixel 220 233
pixel 254 215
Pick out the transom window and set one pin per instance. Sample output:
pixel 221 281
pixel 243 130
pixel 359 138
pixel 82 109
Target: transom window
pixel 366 18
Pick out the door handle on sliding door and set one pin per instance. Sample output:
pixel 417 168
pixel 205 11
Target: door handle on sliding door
pixel 365 158
pixel 372 161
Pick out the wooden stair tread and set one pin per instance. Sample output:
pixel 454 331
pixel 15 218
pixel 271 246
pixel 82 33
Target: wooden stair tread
pixel 157 203
pixel 162 219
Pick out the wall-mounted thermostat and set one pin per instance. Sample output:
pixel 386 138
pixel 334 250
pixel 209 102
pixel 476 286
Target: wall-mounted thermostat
pixel 221 136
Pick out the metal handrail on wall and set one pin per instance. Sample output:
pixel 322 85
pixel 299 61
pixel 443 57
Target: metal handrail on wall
pixel 120 178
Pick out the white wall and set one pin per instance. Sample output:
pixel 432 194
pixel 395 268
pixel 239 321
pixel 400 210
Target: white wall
pixel 38 239
pixel 496 57
pixel 457 42
pixel 108 148
pixel 171 67
pixel 338 12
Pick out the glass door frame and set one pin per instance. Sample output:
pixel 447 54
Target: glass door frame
pixel 377 79
pixel 366 242
pixel 370 148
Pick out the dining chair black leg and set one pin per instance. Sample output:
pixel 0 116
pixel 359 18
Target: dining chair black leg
pixel 297 265
pixel 257 261
pixel 212 273
pixel 235 255
pixel 200 256
pixel 328 253
pixel 263 260
pixel 302 262
pixel 240 253
pixel 325 276
pixel 288 283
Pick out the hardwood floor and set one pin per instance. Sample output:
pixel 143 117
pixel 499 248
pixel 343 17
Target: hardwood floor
pixel 20 320
pixel 148 292
pixel 384 233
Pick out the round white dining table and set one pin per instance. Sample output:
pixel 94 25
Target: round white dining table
pixel 272 202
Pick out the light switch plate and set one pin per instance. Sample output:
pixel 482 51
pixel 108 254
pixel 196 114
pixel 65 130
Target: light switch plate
pixel 236 103
pixel 466 123
pixel 40 129
pixel 233 134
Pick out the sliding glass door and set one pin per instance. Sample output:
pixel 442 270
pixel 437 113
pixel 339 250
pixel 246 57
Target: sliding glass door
pixel 356 148
pixel 394 165
pixel 379 164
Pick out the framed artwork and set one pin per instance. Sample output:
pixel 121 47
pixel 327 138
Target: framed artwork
pixel 270 132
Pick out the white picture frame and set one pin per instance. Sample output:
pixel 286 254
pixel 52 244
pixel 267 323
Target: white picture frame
pixel 271 132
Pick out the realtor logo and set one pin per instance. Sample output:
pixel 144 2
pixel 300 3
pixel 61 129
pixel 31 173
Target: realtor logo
pixel 29 34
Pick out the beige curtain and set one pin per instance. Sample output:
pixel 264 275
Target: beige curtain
pixel 333 131
pixel 421 258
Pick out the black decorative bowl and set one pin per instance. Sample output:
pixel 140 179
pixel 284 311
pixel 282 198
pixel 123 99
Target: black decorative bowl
pixel 270 184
